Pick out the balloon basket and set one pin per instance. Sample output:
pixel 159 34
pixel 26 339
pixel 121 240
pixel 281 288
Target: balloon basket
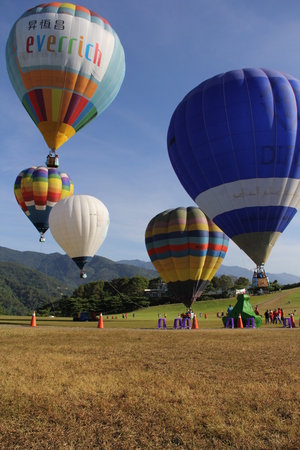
pixel 52 161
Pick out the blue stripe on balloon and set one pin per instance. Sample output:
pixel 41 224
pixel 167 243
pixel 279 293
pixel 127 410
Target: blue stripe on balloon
pixel 216 240
pixel 255 220
pixel 113 77
pixel 185 239
pixel 29 108
pixel 213 253
pixel 161 256
pixel 216 235
pixel 185 236
pixel 89 106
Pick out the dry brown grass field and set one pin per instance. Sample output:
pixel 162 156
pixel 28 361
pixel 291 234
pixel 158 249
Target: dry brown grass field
pixel 83 388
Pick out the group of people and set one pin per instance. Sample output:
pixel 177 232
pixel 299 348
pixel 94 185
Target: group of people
pixel 159 315
pixel 189 314
pixel 124 316
pixel 275 316
pixel 271 316
pixel 229 309
pixel 278 315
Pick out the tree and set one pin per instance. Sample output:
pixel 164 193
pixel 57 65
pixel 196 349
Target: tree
pixel 274 286
pixel 155 282
pixel 241 283
pixel 68 306
pixel 225 283
pixel 214 284
pixel 136 286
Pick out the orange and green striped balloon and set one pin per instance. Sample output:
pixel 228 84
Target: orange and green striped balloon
pixel 38 189
pixel 186 248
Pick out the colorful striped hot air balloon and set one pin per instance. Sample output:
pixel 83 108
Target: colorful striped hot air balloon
pixel 37 190
pixel 66 65
pixel 186 248
pixel 234 143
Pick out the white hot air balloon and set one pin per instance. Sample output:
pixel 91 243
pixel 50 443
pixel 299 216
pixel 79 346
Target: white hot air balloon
pixel 79 226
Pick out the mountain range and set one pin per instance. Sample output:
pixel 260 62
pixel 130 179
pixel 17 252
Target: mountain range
pixel 234 271
pixel 56 266
pixel 63 269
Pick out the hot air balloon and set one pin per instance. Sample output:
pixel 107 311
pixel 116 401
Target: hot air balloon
pixel 37 190
pixel 66 65
pixel 233 142
pixel 186 248
pixel 79 224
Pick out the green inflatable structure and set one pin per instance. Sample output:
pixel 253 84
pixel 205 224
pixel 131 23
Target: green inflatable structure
pixel 244 308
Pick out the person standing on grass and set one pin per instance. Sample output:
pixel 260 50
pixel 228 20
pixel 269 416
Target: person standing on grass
pixel 271 316
pixel 230 308
pixel 267 317
pixel 292 320
pixel 279 315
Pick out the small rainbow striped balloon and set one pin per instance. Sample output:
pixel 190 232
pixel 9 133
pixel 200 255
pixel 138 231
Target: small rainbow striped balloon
pixel 38 189
pixel 186 248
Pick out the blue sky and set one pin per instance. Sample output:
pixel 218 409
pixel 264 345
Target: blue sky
pixel 121 157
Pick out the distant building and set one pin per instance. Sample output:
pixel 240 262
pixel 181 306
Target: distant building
pixel 161 290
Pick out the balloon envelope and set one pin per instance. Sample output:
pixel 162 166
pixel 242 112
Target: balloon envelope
pixel 38 189
pixel 66 65
pixel 79 225
pixel 234 144
pixel 186 248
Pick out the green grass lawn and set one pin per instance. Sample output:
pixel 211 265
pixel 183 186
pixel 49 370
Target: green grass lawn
pixel 147 318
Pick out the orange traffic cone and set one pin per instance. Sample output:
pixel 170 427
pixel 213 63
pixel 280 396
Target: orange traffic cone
pixel 100 323
pixel 195 323
pixel 33 321
pixel 240 322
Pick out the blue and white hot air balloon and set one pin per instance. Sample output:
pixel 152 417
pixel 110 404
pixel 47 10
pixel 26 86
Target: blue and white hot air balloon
pixel 234 143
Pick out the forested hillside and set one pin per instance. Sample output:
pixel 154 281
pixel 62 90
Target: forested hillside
pixel 30 279
pixel 65 270
pixel 36 281
pixel 23 290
